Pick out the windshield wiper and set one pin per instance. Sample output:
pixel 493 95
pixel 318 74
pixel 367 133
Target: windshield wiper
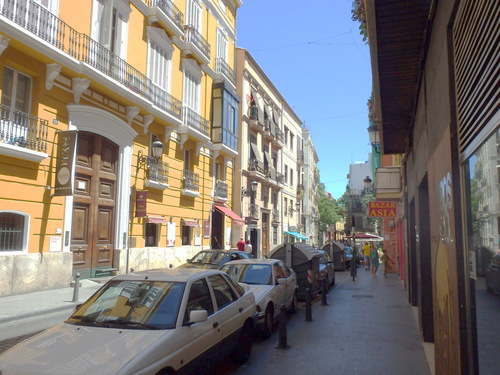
pixel 86 319
pixel 129 323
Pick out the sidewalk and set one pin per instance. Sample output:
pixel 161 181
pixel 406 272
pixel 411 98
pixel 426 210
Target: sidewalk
pixel 22 306
pixel 368 327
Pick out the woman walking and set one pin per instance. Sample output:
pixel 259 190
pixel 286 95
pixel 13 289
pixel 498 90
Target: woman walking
pixel 374 260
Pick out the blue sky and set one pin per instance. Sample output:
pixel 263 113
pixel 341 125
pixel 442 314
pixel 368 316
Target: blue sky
pixel 314 55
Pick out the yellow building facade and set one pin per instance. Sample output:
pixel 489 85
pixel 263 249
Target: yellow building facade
pixel 118 134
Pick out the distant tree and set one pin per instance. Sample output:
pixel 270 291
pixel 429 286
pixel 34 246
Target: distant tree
pixel 328 210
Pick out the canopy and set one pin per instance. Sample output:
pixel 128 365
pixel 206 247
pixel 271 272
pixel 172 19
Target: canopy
pixel 226 211
pixel 366 237
pixel 298 235
pixel 156 219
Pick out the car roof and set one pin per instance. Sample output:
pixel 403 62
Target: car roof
pixel 254 261
pixel 169 274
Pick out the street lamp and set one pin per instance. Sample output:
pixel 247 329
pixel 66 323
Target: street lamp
pixel 368 185
pixel 374 135
pixel 253 189
pixel 156 151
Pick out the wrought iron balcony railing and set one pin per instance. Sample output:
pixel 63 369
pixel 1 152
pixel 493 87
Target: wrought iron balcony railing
pixel 168 7
pixel 221 66
pixel 157 171
pixel 220 190
pixel 253 210
pixel 39 21
pixel 194 36
pixel 22 129
pixel 191 180
pixel 195 121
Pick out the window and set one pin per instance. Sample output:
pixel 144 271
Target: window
pixel 275 235
pixel 152 235
pixel 192 85
pixel 199 299
pixel 291 141
pixel 222 5
pixel 110 25
pixel 160 51
pixel 194 14
pixel 286 173
pixel 186 235
pixel 291 177
pixel 286 135
pixel 284 269
pixel 224 294
pixel 286 206
pixel 16 90
pixel 221 52
pixel 13 231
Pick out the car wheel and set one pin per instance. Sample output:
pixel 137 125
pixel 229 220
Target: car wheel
pixel 295 304
pixel 243 349
pixel 268 322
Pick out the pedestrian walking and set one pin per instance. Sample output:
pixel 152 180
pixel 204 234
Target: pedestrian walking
pixel 385 262
pixel 248 247
pixel 241 244
pixel 366 255
pixel 374 260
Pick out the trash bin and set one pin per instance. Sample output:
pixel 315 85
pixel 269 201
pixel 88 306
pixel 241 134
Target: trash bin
pixel 336 252
pixel 301 258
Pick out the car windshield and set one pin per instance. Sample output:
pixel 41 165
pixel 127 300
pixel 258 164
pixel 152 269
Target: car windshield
pixel 134 304
pixel 209 257
pixel 249 273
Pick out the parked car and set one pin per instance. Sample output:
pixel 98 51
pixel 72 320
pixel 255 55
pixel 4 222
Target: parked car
pixel 272 283
pixel 214 258
pixel 348 257
pixel 493 274
pixel 326 268
pixel 151 322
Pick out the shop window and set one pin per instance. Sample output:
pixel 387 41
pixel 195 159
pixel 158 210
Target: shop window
pixel 152 235
pixel 186 235
pixel 13 231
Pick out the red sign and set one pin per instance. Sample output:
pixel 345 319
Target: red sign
pixel 140 203
pixel 382 209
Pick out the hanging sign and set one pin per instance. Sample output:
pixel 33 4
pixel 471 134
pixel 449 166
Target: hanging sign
pixel 140 203
pixel 382 209
pixel 65 162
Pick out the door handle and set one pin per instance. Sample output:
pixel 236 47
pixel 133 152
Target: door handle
pixel 240 309
pixel 216 324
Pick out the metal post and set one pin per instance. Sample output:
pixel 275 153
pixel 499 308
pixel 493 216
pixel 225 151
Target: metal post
pixel 324 288
pixel 77 288
pixel 282 329
pixel 308 305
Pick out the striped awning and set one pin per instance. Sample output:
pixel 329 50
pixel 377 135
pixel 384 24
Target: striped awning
pixel 189 223
pixel 156 219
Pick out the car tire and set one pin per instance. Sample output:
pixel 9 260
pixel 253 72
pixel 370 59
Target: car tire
pixel 243 349
pixel 268 321
pixel 295 304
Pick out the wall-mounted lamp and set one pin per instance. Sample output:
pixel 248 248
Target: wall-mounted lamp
pixel 248 193
pixel 374 134
pixel 297 207
pixel 367 185
pixel 156 151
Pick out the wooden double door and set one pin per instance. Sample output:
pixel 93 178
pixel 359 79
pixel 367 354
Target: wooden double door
pixel 94 205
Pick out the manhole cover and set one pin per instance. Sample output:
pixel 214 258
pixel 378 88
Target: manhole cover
pixel 362 296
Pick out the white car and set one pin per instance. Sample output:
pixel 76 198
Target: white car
pixel 155 322
pixel 272 283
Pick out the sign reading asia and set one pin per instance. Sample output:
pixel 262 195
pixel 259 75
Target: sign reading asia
pixel 382 209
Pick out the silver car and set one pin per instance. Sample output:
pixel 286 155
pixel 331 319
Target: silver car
pixel 152 322
pixel 272 283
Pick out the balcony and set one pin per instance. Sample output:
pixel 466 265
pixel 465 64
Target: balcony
pixel 279 139
pixel 156 174
pixel 226 139
pixel 167 14
pixel 190 184
pixel 388 182
pixel 220 191
pixel 253 211
pixel 22 135
pixel 195 126
pixel 256 169
pixel 225 72
pixel 196 45
pixel 37 20
pixel 275 216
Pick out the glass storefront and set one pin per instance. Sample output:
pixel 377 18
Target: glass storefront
pixel 483 221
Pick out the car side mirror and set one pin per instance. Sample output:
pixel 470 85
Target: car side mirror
pixel 198 316
pixel 282 281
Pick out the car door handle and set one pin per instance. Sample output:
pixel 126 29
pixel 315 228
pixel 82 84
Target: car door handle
pixel 240 309
pixel 216 324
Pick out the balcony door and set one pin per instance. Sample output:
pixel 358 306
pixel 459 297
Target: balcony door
pixel 94 204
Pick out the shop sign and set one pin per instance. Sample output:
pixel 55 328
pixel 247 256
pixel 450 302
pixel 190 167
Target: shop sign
pixel 65 163
pixel 382 209
pixel 141 198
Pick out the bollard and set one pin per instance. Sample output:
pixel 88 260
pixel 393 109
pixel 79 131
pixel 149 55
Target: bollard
pixel 77 288
pixel 308 305
pixel 324 289
pixel 282 329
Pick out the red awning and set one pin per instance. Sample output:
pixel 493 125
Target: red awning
pixel 189 223
pixel 226 211
pixel 156 219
